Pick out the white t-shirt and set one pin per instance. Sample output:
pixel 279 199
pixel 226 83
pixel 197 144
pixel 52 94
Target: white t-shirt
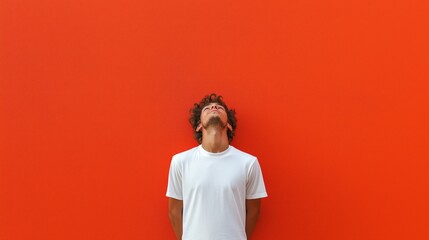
pixel 214 188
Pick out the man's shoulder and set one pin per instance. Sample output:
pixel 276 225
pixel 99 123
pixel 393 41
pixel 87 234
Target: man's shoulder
pixel 242 154
pixel 185 154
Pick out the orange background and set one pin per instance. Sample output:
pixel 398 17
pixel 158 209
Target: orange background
pixel 332 96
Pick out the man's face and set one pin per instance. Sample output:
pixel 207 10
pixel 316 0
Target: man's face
pixel 214 114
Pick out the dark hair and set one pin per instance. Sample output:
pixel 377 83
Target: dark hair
pixel 195 117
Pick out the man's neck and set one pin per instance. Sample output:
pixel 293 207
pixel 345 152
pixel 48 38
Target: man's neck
pixel 215 140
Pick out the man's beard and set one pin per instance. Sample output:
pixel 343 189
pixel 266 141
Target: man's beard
pixel 215 121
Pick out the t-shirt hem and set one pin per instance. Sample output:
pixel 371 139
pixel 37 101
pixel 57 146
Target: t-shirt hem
pixel 172 195
pixel 255 196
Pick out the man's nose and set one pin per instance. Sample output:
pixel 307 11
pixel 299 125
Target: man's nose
pixel 214 106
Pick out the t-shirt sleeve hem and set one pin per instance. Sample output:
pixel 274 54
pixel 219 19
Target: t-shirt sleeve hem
pixel 172 195
pixel 255 196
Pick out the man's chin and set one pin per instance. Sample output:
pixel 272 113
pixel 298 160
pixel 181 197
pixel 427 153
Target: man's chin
pixel 215 121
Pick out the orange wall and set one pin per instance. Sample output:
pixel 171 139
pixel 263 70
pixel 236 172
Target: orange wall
pixel 332 96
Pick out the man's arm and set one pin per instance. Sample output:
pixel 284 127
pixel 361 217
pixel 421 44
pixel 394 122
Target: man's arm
pixel 175 211
pixel 252 213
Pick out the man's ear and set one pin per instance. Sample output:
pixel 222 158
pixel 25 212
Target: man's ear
pixel 229 126
pixel 198 128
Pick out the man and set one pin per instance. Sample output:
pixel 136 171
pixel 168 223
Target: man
pixel 214 189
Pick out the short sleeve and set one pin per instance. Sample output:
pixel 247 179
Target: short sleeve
pixel 174 188
pixel 255 187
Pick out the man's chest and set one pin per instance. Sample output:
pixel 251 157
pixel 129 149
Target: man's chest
pixel 214 176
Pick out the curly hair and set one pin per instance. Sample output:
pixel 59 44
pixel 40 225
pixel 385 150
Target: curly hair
pixel 195 116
